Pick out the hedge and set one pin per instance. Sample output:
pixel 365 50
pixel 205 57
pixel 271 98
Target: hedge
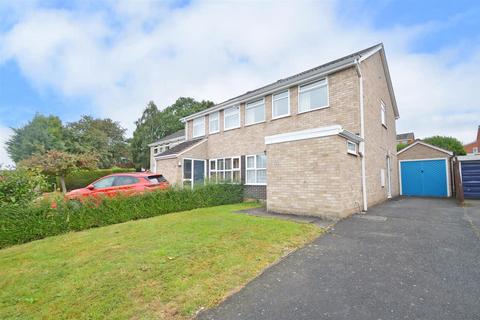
pixel 20 224
pixel 83 178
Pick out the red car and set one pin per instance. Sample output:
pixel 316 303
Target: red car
pixel 120 183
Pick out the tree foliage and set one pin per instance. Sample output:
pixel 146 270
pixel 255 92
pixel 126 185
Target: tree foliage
pixel 38 136
pixel 155 124
pixel 102 136
pixel 20 186
pixel 448 143
pixel 60 163
pixel 401 146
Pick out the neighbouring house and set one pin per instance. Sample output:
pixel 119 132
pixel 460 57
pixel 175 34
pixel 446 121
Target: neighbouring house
pixel 163 145
pixel 405 138
pixel 473 148
pixel 425 170
pixel 321 142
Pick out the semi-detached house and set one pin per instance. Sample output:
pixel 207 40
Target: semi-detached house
pixel 321 142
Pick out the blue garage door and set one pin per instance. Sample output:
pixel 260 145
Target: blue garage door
pixel 424 178
pixel 471 179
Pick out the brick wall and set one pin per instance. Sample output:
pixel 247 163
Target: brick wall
pixel 343 109
pixel 419 151
pixel 313 177
pixel 380 141
pixel 170 170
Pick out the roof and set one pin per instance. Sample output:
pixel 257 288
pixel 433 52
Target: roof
pixel 179 148
pixel 174 136
pixel 405 136
pixel 311 74
pixel 427 145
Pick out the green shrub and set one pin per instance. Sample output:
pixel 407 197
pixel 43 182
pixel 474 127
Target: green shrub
pixel 20 186
pixel 20 224
pixel 82 178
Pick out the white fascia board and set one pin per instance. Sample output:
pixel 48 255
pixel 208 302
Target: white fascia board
pixel 304 134
pixel 161 142
pixel 468 158
pixel 170 156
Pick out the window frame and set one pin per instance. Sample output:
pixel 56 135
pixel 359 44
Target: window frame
pixel 252 105
pixel 191 180
pixel 475 150
pixel 210 122
pixel 310 83
pixel 288 103
pixel 223 171
pixel 383 113
pixel 355 153
pixel 155 150
pixel 224 118
pixel 255 169
pixel 193 127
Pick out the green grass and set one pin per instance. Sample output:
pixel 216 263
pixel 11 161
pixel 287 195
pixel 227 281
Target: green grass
pixel 165 267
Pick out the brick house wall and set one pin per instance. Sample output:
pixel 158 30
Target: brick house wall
pixel 380 141
pixel 313 177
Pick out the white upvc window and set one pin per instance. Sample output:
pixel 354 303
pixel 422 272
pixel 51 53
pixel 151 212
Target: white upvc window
pixel 281 104
pixel 155 150
pixel 214 122
pixel 255 112
pixel 475 150
pixel 256 169
pixel 383 113
pixel 198 127
pixel 313 96
pixel 352 147
pixel 225 170
pixel 231 118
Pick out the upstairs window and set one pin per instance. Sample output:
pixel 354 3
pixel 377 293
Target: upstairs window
pixel 280 105
pixel 214 122
pixel 199 127
pixel 231 118
pixel 255 112
pixel 383 114
pixel 313 96
pixel 256 171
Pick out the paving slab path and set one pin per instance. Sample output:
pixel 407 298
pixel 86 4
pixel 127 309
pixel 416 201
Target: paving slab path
pixel 409 258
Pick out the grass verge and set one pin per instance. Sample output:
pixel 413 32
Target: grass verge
pixel 165 267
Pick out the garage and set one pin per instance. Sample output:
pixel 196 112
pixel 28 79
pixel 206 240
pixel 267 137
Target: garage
pixel 424 171
pixel 470 175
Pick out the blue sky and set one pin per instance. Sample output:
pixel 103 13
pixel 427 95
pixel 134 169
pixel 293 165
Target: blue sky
pixel 108 59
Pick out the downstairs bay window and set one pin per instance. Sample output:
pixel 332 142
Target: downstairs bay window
pixel 256 169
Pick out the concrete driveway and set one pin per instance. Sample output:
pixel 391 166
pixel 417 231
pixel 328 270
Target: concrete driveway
pixel 406 259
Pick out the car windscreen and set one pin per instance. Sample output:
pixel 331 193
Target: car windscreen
pixel 156 179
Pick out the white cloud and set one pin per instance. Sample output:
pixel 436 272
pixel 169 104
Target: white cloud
pixel 129 55
pixel 4 136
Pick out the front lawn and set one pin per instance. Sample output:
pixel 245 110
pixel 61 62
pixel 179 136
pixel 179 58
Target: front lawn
pixel 165 267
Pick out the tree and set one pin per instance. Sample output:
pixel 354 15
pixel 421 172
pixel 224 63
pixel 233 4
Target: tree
pixel 401 146
pixel 155 124
pixel 448 143
pixel 60 163
pixel 102 136
pixel 38 136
